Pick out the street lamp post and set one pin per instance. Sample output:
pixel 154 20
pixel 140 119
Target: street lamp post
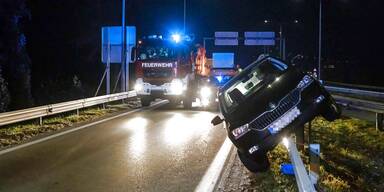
pixel 123 49
pixel 320 38
pixel 281 36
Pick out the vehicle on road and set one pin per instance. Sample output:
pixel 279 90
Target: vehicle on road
pixel 267 101
pixel 173 68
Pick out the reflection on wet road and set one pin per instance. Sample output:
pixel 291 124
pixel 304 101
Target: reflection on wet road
pixel 157 150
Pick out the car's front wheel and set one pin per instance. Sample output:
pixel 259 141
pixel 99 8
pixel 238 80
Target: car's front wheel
pixel 145 102
pixel 332 110
pixel 254 164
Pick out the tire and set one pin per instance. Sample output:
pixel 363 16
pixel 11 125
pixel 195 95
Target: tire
pixel 254 165
pixel 332 111
pixel 145 102
pixel 174 102
pixel 187 102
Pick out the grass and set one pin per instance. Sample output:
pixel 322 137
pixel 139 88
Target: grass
pixel 17 133
pixel 352 159
pixel 274 180
pixel 352 155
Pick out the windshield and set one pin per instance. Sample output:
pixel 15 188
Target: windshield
pixel 251 80
pixel 156 52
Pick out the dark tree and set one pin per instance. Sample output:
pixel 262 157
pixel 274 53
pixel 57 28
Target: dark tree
pixel 4 95
pixel 13 55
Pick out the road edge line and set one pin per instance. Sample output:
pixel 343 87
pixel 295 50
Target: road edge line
pixel 17 147
pixel 212 175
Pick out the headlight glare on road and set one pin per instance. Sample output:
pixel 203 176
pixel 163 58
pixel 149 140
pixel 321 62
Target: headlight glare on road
pixel 240 131
pixel 205 92
pixel 307 80
pixel 177 87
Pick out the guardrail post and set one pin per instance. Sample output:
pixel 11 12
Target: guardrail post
pixel 300 138
pixel 314 162
pixel 77 112
pixel 41 121
pixel 379 121
pixel 309 132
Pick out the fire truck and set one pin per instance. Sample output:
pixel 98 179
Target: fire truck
pixel 172 68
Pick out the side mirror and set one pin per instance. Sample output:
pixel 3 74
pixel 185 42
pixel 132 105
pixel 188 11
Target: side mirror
pixel 217 120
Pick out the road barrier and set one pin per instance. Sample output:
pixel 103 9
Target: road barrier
pixel 364 100
pixel 46 110
pixel 303 179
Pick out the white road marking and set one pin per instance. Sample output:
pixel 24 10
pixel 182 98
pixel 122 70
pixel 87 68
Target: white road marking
pixel 211 176
pixel 155 105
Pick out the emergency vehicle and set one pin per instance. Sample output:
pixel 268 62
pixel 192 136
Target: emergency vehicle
pixel 171 68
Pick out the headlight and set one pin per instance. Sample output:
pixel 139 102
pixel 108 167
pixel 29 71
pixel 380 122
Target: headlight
pixel 307 80
pixel 138 87
pixel 205 92
pixel 177 87
pixel 240 131
pixel 219 78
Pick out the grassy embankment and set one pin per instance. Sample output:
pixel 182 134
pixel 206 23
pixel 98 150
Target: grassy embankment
pixel 20 132
pixel 352 153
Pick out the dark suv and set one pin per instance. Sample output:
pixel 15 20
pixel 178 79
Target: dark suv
pixel 265 102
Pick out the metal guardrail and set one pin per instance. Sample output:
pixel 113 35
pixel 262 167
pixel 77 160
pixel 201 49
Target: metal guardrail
pixel 46 110
pixel 363 100
pixel 357 93
pixel 303 180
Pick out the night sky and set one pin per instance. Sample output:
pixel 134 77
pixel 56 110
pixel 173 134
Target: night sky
pixel 64 35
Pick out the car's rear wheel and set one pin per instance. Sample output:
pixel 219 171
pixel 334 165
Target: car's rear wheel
pixel 254 164
pixel 145 102
pixel 332 111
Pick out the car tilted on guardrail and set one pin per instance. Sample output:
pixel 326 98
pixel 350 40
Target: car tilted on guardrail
pixel 267 101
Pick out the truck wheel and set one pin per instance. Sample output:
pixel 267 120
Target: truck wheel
pixel 145 102
pixel 173 102
pixel 259 164
pixel 331 111
pixel 187 102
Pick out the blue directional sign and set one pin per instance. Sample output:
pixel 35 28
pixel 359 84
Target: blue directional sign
pixel 223 60
pixel 226 38
pixel 111 42
pixel 259 38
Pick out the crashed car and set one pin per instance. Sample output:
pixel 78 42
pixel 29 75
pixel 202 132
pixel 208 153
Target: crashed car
pixel 266 102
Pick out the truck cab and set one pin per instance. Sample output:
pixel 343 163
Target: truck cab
pixel 162 68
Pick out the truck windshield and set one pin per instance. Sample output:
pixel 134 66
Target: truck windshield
pixel 156 52
pixel 251 80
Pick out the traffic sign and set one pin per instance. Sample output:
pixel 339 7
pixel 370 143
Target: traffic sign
pixel 111 42
pixel 226 38
pixel 259 38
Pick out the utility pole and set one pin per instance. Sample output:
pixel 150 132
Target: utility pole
pixel 320 38
pixel 123 49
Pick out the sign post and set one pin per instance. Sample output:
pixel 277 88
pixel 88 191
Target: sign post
pixel 112 51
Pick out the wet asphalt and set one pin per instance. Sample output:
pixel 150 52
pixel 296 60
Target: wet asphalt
pixel 163 149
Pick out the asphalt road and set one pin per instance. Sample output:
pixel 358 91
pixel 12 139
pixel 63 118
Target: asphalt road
pixel 153 150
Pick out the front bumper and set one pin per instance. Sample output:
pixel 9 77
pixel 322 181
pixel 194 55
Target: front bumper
pixel 256 142
pixel 157 91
